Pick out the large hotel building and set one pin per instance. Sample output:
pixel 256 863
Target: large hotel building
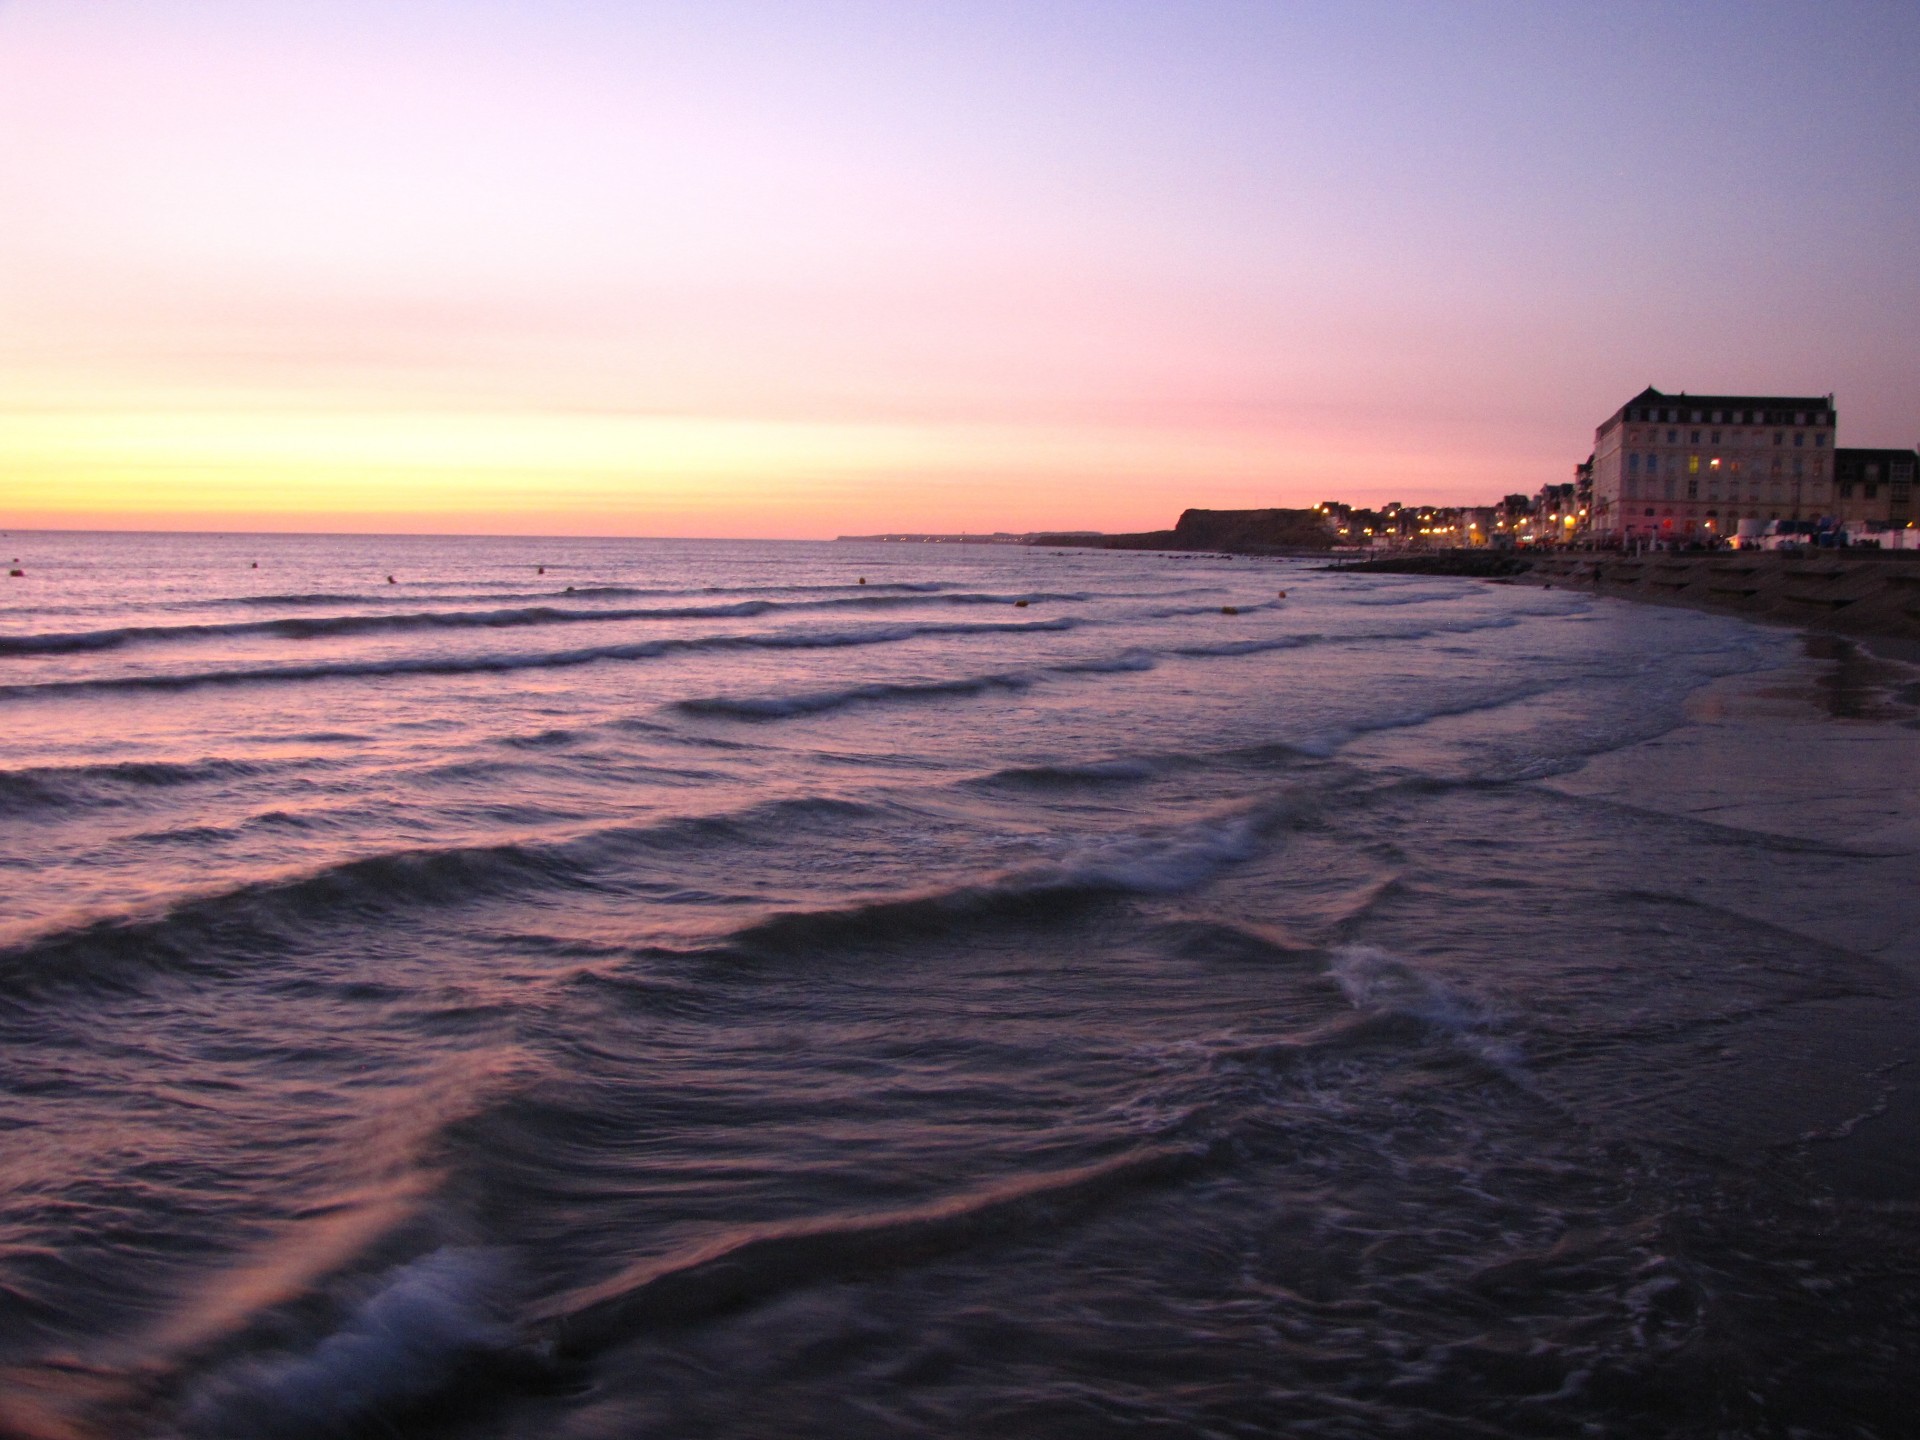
pixel 1688 467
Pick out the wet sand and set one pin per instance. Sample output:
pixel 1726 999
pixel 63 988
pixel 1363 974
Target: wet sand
pixel 1823 751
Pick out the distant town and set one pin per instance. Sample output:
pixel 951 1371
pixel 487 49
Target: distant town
pixel 1667 472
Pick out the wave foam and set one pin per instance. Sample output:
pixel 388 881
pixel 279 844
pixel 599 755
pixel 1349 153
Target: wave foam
pixel 428 1321
pixel 1383 984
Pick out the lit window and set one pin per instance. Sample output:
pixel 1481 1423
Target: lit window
pixel 1693 464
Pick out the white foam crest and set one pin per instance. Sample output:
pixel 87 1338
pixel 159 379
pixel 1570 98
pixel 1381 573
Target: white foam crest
pixel 398 1347
pixel 1381 983
pixel 1168 863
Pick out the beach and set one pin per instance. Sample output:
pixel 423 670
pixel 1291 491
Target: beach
pixel 612 988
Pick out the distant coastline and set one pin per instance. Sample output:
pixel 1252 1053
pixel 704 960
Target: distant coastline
pixel 1234 532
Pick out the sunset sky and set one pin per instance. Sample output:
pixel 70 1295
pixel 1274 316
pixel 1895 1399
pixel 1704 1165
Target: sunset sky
pixel 798 269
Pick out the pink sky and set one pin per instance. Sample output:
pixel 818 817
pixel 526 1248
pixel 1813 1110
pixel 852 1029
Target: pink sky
pixel 799 270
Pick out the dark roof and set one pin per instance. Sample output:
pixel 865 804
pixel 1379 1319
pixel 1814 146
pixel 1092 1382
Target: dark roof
pixel 1855 452
pixel 1652 397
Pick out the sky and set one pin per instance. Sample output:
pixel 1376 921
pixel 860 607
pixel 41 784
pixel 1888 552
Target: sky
pixel 795 269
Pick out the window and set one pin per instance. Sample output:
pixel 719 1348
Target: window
pixel 1693 488
pixel 1902 491
pixel 1696 417
pixel 1800 419
pixel 1716 434
pixel 1633 463
pixel 1870 490
pixel 1673 437
pixel 1716 417
pixel 1820 441
pixel 1694 438
pixel 1845 489
pixel 1779 437
pixel 1693 464
pixel 1799 439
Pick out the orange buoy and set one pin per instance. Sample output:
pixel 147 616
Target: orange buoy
pixel 1229 609
pixel 863 579
pixel 1283 594
pixel 1019 604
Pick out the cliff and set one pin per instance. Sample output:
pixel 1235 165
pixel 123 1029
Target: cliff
pixel 1240 532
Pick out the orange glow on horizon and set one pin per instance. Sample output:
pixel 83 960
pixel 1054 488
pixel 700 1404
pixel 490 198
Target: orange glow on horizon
pixel 635 475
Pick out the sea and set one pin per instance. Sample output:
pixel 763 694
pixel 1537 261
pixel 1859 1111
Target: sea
pixel 573 988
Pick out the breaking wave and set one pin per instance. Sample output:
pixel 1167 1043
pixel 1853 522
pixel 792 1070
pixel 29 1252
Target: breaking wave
pixel 538 660
pixel 326 626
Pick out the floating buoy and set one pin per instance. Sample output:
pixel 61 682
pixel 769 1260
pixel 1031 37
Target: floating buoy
pixel 540 569
pixel 1019 604
pixel 863 579
pixel 256 565
pixel 569 589
pixel 16 574
pixel 1283 594
pixel 1229 609
pixel 392 581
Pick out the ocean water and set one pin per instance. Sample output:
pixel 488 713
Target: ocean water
pixel 562 988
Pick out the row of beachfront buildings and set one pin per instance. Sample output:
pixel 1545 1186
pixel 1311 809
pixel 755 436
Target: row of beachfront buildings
pixel 1689 468
pixel 1679 469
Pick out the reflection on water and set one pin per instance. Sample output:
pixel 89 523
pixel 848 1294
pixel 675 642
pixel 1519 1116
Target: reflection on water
pixel 594 989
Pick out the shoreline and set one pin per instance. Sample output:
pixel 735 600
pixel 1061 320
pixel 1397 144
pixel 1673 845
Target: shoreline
pixel 1822 752
pixel 1875 601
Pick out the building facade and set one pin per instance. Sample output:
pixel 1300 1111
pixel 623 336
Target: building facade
pixel 1683 468
pixel 1874 487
